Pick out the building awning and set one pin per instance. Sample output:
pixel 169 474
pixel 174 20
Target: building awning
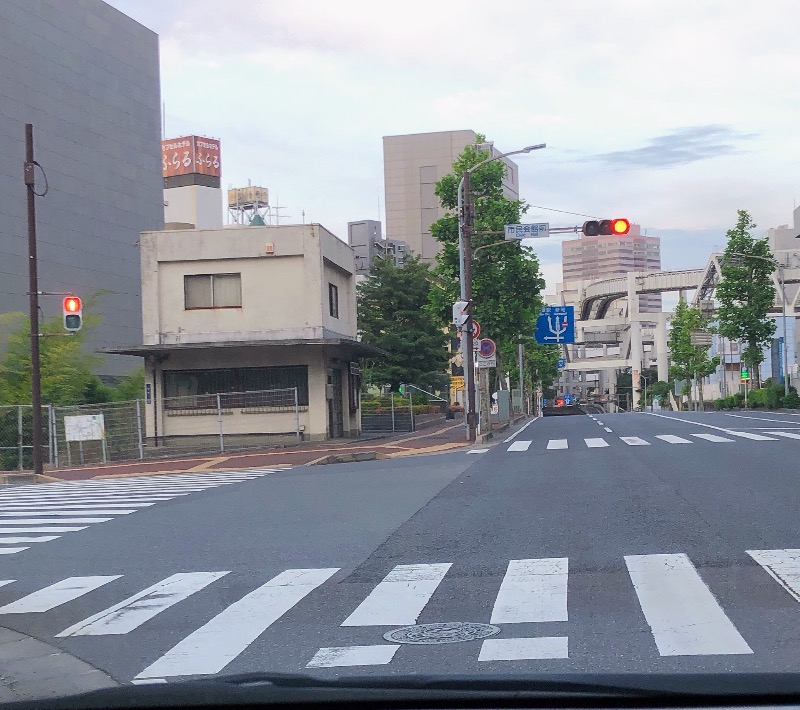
pixel 354 348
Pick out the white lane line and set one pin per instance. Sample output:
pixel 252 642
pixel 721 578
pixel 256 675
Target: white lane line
pixel 608 430
pixel 34 511
pixel 11 550
pixel 215 644
pixel 477 451
pixel 684 616
pixel 56 594
pixel 519 446
pixel 596 443
pixel 750 435
pixel 713 437
pixel 49 521
pixel 759 419
pixel 520 430
pixel 82 508
pixel 15 531
pixel 557 444
pixel 3 582
pixel 783 566
pixel 711 426
pixel 399 599
pixel 523 649
pixel 20 540
pixel 532 590
pixel 634 441
pixel 83 500
pixel 787 434
pixel 672 439
pixel 134 611
pixel 341 656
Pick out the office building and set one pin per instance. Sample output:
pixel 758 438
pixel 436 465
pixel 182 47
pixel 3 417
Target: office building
pixel 368 244
pixel 87 77
pixel 603 257
pixel 412 165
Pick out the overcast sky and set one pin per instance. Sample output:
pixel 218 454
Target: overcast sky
pixel 674 114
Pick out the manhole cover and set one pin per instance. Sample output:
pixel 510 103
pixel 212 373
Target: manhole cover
pixel 450 632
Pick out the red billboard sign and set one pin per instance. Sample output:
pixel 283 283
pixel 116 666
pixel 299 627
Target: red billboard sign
pixel 190 154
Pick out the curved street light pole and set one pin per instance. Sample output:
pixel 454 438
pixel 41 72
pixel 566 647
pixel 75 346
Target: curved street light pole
pixel 465 279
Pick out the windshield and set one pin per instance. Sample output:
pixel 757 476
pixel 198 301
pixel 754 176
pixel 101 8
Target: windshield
pixel 432 339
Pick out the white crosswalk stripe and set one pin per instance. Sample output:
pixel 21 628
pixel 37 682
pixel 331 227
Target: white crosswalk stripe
pixel 684 616
pixel 672 439
pixel 555 444
pixel 751 435
pixel 73 506
pixel 713 437
pixel 596 443
pixel 634 441
pixel 787 434
pixel 519 446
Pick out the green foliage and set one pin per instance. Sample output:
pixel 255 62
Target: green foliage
pixel 746 293
pixel 130 387
pixel 792 400
pixel 506 279
pixel 540 363
pixel 661 390
pixel 689 361
pixel 393 315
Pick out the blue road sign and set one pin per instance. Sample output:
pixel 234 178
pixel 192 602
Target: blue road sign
pixel 562 363
pixel 556 325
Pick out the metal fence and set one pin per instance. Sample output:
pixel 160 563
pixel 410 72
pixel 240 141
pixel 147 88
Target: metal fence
pixel 119 431
pixel 391 413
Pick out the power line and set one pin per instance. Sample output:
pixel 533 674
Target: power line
pixel 553 209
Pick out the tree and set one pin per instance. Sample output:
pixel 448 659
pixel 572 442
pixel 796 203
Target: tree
pixel 689 361
pixel 506 282
pixel 130 387
pixel 393 315
pixel 624 385
pixel 540 363
pixel 745 292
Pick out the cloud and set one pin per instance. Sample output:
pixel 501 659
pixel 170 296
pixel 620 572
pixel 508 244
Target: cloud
pixel 680 147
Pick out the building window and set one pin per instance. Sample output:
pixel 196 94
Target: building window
pixel 197 389
pixel 333 300
pixel 212 291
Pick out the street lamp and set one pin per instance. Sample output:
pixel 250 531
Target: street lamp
pixel 465 280
pixel 781 283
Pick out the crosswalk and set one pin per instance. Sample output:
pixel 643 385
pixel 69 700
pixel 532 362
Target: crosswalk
pixel 601 442
pixel 668 594
pixel 39 513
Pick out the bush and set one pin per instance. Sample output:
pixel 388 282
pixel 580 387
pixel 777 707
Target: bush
pixel 774 397
pixel 738 399
pixel 792 400
pixel 757 398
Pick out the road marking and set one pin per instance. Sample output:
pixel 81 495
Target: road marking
pixel 750 435
pixel 520 430
pixel 215 644
pixel 595 443
pixel 672 439
pixel 519 446
pixel 47 508
pixel 56 594
pixel 477 451
pixel 557 444
pixel 760 419
pixel 713 437
pixel 3 582
pixel 787 434
pixel 46 521
pixel 684 616
pixel 11 550
pixel 608 430
pixel 400 598
pixel 781 565
pixel 40 530
pixel 19 540
pixel 634 441
pixel 523 649
pixel 532 591
pixel 134 611
pixel 338 657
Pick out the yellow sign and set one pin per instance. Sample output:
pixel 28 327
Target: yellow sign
pixel 457 383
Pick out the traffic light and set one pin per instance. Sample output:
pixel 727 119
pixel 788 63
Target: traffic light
pixel 73 313
pixel 402 388
pixel 606 227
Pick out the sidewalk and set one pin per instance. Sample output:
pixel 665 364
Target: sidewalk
pixel 439 437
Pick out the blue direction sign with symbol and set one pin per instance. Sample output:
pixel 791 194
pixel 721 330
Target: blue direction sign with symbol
pixel 562 363
pixel 556 325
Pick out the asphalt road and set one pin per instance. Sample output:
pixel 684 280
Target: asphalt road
pixel 610 543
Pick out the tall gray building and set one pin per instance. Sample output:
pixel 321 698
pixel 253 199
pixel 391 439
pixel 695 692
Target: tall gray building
pixel 87 77
pixel 368 244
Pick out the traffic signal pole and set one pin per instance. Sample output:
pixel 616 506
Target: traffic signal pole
pixel 33 298
pixel 469 355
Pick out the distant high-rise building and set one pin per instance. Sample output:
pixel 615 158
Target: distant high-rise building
pixel 603 257
pixel 87 77
pixel 785 237
pixel 412 165
pixel 368 244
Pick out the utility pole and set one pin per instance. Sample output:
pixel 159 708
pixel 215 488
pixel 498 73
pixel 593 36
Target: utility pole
pixel 521 394
pixel 33 297
pixel 469 355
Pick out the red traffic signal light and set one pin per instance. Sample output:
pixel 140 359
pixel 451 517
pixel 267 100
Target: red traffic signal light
pixel 73 313
pixel 606 227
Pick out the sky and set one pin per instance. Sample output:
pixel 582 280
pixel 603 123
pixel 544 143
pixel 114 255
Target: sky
pixel 672 114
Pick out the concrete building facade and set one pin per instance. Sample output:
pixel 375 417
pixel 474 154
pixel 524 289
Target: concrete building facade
pixel 87 77
pixel 246 309
pixel 595 258
pixel 412 165
pixel 366 239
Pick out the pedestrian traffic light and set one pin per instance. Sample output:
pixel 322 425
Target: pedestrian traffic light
pixel 606 227
pixel 402 388
pixel 73 313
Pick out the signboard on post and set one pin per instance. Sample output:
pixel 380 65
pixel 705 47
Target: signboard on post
pixel 516 232
pixel 485 362
pixel 562 363
pixel 556 325
pixel 88 427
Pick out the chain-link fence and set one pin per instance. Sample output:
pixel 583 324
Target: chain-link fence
pixel 16 436
pixel 391 413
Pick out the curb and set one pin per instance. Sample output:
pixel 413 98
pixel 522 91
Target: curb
pixel 347 458
pixel 33 670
